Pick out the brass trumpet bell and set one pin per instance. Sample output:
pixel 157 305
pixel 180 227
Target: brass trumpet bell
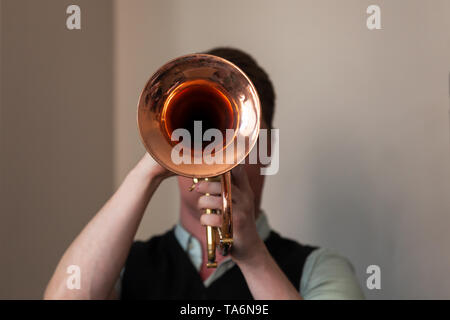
pixel 206 88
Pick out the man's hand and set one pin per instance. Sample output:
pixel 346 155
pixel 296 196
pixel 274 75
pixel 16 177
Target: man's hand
pixel 246 242
pixel 148 167
pixel 264 277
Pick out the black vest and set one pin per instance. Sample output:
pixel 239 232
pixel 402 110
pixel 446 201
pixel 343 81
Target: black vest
pixel 160 269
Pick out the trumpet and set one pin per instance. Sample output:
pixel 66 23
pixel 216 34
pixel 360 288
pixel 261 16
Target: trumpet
pixel 210 89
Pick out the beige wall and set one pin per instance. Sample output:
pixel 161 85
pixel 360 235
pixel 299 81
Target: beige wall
pixel 56 150
pixel 144 38
pixel 363 118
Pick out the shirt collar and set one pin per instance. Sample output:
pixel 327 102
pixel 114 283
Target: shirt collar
pixel 192 246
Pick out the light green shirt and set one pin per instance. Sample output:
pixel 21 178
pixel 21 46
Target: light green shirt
pixel 326 274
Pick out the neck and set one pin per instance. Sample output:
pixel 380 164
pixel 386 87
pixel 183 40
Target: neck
pixel 190 220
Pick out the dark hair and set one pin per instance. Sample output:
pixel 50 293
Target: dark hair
pixel 257 75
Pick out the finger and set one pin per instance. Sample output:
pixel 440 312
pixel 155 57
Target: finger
pixel 213 220
pixel 209 202
pixel 213 188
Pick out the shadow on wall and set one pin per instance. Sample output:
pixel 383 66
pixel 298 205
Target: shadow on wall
pixel 349 206
pixel 56 135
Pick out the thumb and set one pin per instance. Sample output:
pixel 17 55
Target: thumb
pixel 240 177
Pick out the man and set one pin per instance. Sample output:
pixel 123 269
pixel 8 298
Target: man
pixel 262 264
